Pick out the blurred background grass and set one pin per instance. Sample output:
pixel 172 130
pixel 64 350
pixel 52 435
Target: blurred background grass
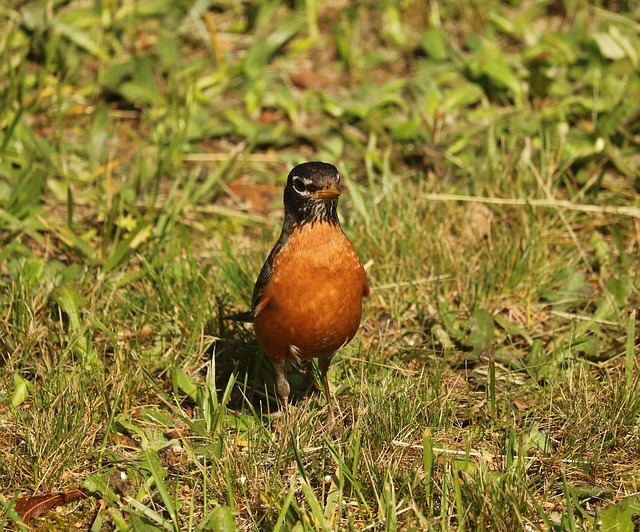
pixel 490 152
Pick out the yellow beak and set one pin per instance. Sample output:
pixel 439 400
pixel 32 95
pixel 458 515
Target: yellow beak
pixel 331 192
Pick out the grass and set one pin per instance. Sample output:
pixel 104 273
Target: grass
pixel 490 153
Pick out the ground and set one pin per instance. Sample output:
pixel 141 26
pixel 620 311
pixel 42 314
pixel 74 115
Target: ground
pixel 489 153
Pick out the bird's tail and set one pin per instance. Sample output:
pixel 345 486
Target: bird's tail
pixel 246 317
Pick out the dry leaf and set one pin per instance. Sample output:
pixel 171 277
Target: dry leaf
pixel 308 79
pixel 32 507
pixel 259 196
pixel 479 218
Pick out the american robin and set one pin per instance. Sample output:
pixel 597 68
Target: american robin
pixel 307 301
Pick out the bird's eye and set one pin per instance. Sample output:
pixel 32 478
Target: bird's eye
pixel 299 186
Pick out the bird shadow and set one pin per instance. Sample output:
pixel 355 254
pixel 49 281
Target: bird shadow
pixel 237 354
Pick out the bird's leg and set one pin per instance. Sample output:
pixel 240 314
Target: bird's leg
pixel 323 364
pixel 282 386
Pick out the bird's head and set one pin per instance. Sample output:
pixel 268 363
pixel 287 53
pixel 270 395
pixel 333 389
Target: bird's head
pixel 311 194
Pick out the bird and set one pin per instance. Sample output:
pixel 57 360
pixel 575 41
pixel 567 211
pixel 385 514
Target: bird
pixel 308 299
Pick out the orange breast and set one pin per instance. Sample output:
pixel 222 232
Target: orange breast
pixel 314 297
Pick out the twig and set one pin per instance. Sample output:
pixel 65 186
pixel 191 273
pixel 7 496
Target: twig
pixel 452 452
pixel 562 204
pixel 220 157
pixel 422 280
pixel 572 316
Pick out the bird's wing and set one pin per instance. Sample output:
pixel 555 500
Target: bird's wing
pixel 259 301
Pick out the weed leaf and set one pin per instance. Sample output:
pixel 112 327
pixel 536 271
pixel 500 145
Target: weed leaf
pixel 481 327
pixel 262 50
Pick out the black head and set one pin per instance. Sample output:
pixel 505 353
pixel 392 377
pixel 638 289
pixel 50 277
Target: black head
pixel 311 194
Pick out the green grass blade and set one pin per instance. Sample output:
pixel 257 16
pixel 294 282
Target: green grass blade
pixel 427 462
pixel 316 509
pixel 282 514
pixel 158 473
pixel 629 365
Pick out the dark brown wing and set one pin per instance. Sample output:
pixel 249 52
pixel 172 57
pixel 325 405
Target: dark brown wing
pixel 257 301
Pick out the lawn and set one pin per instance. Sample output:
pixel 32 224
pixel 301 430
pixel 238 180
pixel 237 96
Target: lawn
pixel 491 173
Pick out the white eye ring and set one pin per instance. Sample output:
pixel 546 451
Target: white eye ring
pixel 299 185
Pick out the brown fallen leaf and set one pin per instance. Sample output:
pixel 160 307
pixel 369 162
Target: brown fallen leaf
pixel 259 196
pixel 479 218
pixel 308 79
pixel 32 507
